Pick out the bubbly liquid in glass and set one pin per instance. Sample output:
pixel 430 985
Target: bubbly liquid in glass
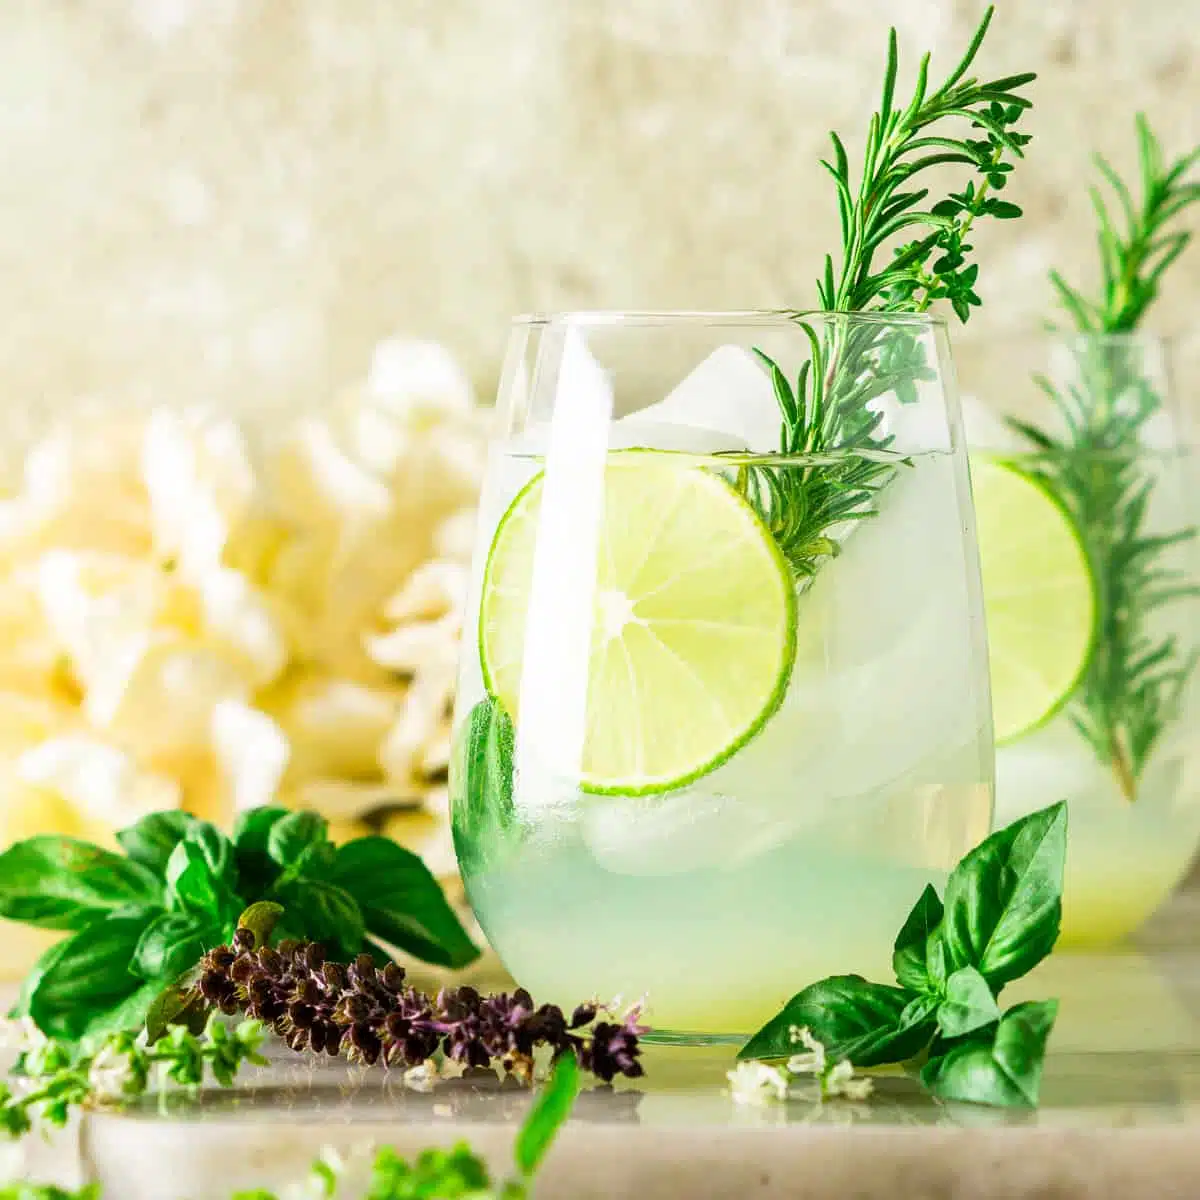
pixel 800 856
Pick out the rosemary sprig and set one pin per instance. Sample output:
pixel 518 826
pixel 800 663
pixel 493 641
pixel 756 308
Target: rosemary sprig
pixel 1134 259
pixel 852 363
pixel 1132 688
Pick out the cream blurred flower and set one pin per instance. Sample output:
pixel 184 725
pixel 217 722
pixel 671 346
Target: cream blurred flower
pixel 200 484
pixel 98 780
pixel 80 490
pixel 178 627
pixel 335 725
pixel 251 753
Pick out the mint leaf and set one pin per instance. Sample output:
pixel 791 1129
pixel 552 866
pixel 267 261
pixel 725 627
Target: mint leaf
pixel 1001 1067
pixel 63 883
pixel 88 975
pixel 173 942
pixel 1004 899
pixel 401 902
pixel 151 840
pixel 853 1019
pixel 969 1004
pixel 547 1114
pixel 484 819
pixel 910 954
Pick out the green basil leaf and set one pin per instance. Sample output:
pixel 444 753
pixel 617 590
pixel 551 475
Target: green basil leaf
pixel 129 1015
pixel 257 871
pixel 852 1018
pixel 195 883
pixel 326 913
pixel 936 968
pixel 910 954
pixel 63 883
pixel 1004 899
pixel 217 850
pixel 546 1115
pixel 151 840
pixel 252 828
pixel 300 844
pixel 172 943
pixel 1001 1066
pixel 401 902
pixel 484 822
pixel 969 1004
pixel 88 976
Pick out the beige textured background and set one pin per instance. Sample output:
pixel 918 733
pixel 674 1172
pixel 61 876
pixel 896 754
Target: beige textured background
pixel 238 198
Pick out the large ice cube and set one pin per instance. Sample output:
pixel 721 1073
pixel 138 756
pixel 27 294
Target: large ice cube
pixel 729 396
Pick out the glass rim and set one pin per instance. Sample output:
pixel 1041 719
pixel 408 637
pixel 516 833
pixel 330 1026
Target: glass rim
pixel 746 316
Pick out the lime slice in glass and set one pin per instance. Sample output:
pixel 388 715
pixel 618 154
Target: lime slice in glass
pixel 693 632
pixel 1039 595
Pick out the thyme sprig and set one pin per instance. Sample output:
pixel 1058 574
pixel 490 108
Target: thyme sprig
pixel 828 421
pixel 1099 469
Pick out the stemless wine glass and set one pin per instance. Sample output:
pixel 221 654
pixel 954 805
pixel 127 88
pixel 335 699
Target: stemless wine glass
pixel 724 710
pixel 1095 689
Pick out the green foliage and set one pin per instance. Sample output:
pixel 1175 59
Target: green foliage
pixel 143 918
pixel 1001 917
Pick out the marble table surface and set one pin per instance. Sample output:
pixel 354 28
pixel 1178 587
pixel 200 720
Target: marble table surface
pixel 1120 1116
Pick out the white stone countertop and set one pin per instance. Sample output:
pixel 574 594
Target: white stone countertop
pixel 1120 1116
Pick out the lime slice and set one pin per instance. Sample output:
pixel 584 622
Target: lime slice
pixel 693 631
pixel 1039 595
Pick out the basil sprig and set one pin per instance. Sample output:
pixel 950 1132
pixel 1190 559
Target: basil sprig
pixel 1000 918
pixel 139 920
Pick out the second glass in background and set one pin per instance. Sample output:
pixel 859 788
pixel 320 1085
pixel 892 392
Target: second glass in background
pixel 1093 421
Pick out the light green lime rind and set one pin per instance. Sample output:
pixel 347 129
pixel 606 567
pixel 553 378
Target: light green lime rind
pixel 758 564
pixel 1040 596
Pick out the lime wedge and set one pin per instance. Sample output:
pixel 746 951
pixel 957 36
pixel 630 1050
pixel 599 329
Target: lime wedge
pixel 694 626
pixel 1039 595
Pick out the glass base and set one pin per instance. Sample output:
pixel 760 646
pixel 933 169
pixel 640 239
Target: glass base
pixel 674 1037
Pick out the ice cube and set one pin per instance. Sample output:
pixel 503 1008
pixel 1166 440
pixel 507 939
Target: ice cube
pixel 728 396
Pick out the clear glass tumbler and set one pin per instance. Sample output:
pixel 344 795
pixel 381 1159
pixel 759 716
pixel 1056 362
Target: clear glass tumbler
pixel 725 711
pixel 1115 732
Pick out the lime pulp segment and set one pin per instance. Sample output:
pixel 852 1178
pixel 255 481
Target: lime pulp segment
pixel 693 632
pixel 1039 595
